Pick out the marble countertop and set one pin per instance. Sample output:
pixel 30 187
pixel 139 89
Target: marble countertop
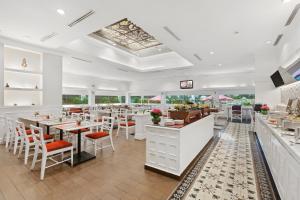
pixel 285 140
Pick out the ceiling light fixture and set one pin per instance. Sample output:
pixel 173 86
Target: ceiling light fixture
pixel 268 42
pixel 286 1
pixel 219 64
pixel 211 53
pixel 60 11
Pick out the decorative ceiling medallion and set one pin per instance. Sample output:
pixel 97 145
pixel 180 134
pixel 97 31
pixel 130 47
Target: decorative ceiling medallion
pixel 126 34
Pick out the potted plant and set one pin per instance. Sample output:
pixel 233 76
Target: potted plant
pixel 156 114
pixel 264 109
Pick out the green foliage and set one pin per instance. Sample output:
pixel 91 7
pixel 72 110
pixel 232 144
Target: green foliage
pixel 135 99
pixel 74 99
pixel 109 99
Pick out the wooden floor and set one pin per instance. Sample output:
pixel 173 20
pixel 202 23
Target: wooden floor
pixel 112 175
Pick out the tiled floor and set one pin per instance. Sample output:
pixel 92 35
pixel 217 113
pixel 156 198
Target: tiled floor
pixel 229 172
pixel 118 175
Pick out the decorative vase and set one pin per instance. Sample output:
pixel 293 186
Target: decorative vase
pixel 24 63
pixel 156 120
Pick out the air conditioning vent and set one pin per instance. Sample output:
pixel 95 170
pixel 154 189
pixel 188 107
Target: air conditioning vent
pixel 293 15
pixel 47 37
pixel 80 19
pixel 83 60
pixel 123 70
pixel 278 39
pixel 198 57
pixel 171 33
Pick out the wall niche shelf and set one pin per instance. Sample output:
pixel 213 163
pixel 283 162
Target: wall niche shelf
pixel 8 69
pixel 22 89
pixel 22 78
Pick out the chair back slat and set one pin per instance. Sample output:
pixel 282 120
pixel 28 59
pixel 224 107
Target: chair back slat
pixel 107 124
pixel 38 131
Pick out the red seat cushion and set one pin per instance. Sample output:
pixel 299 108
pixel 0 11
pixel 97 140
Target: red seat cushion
pixel 129 124
pixel 97 135
pixel 31 139
pixel 82 130
pixel 48 137
pixel 28 132
pixel 60 144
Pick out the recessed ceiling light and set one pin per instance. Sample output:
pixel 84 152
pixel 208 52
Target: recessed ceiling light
pixel 286 1
pixel 211 53
pixel 268 42
pixel 114 44
pixel 60 11
pixel 219 64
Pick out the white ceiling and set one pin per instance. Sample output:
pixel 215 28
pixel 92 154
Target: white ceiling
pixel 202 25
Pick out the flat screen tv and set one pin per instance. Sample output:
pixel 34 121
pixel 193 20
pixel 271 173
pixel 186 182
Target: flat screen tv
pixel 277 79
pixel 187 84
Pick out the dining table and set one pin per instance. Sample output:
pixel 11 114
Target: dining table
pixel 80 156
pixel 36 118
pixel 54 122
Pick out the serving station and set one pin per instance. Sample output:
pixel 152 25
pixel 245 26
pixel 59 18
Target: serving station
pixel 282 155
pixel 170 149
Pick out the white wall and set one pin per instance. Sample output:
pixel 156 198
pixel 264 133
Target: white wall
pixel 202 84
pixel 266 63
pixel 102 86
pixel 1 74
pixel 52 79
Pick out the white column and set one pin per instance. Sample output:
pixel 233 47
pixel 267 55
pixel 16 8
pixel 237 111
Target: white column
pixel 91 96
pixel 52 79
pixel 1 74
pixel 163 98
pixel 127 98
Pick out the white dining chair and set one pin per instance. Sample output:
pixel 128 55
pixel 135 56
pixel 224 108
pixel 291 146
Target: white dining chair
pixel 103 133
pixel 49 150
pixel 27 142
pixel 123 123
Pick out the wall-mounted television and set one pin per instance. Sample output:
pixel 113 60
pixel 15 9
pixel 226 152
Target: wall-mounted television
pixel 277 79
pixel 186 84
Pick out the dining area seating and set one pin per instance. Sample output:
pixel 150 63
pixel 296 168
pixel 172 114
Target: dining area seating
pixel 52 138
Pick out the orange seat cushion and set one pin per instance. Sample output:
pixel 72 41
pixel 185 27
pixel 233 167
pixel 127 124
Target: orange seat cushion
pixel 60 144
pixel 28 132
pixel 47 137
pixel 97 135
pixel 128 123
pixel 82 130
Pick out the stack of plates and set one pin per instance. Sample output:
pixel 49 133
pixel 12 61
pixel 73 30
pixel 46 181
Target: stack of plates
pixel 179 122
pixel 169 122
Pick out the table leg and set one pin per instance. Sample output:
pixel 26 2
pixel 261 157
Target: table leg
pixel 79 142
pixel 48 130
pixel 61 134
pixel 81 156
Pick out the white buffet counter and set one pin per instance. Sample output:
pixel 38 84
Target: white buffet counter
pixel 171 150
pixel 282 157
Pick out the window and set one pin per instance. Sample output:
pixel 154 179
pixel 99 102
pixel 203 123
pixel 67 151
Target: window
pixel 182 99
pixel 135 99
pixel 74 99
pixel 109 99
pixel 244 99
